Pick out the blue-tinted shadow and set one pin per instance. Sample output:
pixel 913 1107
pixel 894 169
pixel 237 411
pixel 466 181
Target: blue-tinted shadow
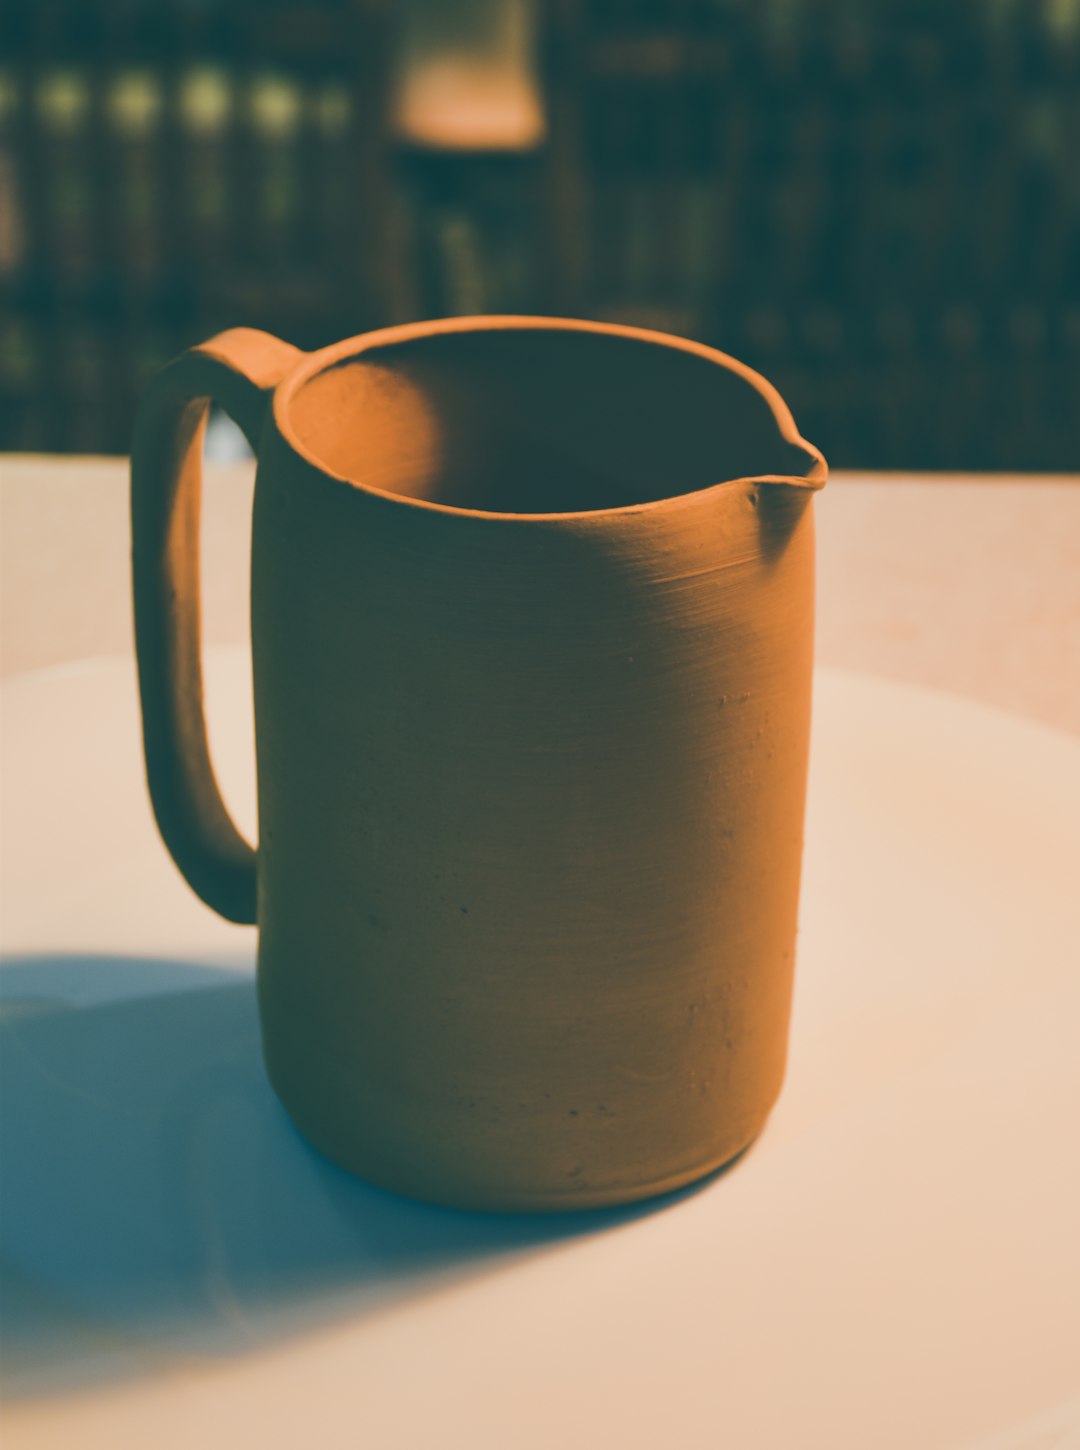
pixel 155 1200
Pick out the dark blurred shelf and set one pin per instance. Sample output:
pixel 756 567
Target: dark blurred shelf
pixel 877 205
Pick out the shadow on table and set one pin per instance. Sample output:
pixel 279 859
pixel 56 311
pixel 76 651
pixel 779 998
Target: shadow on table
pixel 157 1202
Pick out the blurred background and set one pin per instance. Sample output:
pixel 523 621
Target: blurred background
pixel 874 202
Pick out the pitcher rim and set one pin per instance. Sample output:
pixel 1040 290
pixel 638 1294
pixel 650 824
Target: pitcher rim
pixel 328 357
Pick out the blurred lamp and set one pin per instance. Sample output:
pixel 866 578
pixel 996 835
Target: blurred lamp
pixel 466 76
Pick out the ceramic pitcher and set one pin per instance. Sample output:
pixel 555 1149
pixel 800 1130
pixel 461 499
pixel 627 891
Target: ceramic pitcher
pixel 532 633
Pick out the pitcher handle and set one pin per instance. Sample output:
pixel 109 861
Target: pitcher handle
pixel 239 370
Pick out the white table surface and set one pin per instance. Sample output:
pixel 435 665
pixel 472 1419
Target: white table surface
pixel 894 1265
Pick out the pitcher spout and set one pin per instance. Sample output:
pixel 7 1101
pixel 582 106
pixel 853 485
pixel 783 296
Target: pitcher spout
pixel 814 477
pixel 794 469
pixel 761 437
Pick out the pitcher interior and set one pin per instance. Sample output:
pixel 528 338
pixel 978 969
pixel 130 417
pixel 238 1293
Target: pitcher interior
pixel 533 421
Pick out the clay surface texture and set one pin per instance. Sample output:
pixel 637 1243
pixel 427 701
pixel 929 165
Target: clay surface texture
pixel 532 632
